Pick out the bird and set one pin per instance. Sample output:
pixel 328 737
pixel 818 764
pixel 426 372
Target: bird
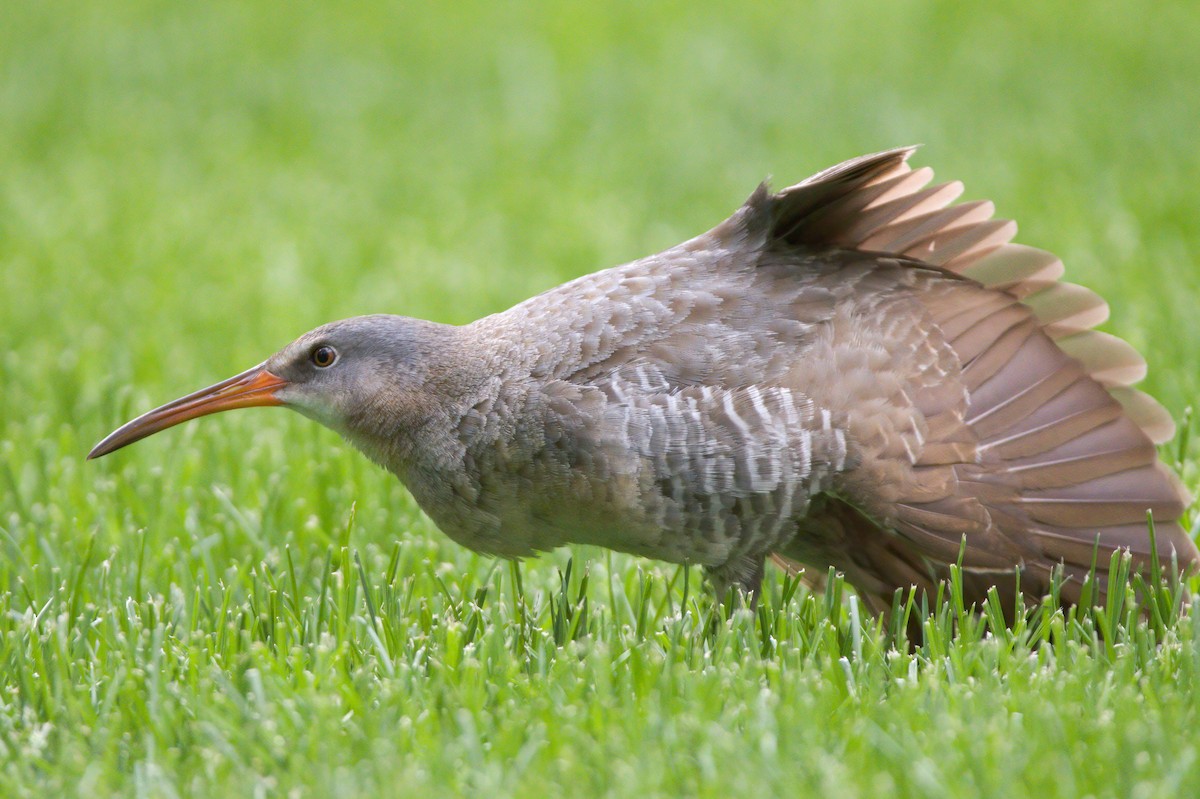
pixel 856 373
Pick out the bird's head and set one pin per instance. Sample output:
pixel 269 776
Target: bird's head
pixel 357 376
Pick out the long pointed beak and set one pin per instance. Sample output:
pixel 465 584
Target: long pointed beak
pixel 251 388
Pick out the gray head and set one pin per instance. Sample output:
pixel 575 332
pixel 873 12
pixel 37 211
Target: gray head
pixel 359 376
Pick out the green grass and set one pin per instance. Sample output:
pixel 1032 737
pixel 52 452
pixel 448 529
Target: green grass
pixel 243 606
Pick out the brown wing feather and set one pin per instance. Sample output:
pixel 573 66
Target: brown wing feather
pixel 1053 452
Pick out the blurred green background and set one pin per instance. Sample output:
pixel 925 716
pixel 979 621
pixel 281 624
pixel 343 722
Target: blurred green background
pixel 186 187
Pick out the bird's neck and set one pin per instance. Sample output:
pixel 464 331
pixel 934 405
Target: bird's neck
pixel 423 427
pixel 436 440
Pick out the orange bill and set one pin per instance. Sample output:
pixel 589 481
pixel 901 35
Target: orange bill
pixel 251 388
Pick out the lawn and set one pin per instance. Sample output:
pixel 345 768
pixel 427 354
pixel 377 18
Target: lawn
pixel 244 606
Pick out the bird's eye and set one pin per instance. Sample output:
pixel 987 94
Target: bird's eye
pixel 324 356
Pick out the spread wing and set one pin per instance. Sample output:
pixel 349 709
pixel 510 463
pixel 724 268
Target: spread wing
pixel 1052 450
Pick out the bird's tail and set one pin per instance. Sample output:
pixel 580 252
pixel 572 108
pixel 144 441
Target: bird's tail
pixel 1054 460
